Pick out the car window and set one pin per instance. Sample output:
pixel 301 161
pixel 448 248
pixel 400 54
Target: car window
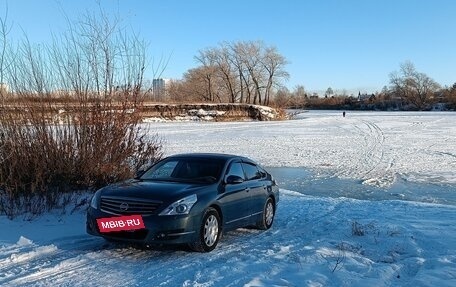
pixel 197 169
pixel 188 170
pixel 251 171
pixel 236 169
pixel 262 172
pixel 163 170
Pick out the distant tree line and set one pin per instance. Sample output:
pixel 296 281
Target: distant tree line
pixel 249 72
pixel 408 90
pixel 253 73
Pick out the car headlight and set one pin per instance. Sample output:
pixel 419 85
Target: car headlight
pixel 95 202
pixel 181 206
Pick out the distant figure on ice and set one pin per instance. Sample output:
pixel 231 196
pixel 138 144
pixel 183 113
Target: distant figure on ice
pixel 343 114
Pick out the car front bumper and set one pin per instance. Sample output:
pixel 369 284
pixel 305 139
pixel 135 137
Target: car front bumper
pixel 170 229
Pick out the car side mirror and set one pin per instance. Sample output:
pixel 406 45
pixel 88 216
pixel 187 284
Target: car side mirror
pixel 234 179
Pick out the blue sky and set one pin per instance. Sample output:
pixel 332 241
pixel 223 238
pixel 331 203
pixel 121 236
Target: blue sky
pixel 351 44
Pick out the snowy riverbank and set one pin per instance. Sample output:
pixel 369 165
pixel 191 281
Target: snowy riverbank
pixel 324 240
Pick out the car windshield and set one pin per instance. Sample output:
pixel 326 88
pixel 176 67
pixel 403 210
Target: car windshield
pixel 185 170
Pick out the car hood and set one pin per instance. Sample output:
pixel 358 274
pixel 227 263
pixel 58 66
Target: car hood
pixel 153 190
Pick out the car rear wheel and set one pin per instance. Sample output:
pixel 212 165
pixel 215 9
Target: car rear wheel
pixel 210 232
pixel 268 215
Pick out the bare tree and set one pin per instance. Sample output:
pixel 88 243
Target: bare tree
pixel 300 98
pixel 329 92
pixel 274 64
pixel 248 71
pixel 237 61
pixel 76 122
pixel 4 31
pixel 201 84
pixel 252 61
pixel 413 87
pixel 219 58
pixel 283 98
pixel 450 96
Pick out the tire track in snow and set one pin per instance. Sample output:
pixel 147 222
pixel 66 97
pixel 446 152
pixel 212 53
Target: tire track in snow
pixel 377 165
pixel 30 259
pixel 303 240
pixel 86 261
pixel 372 164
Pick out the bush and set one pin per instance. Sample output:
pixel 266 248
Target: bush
pixel 72 118
pixel 47 150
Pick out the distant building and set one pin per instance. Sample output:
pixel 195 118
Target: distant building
pixel 159 89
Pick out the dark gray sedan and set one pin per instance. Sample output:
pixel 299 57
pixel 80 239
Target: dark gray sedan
pixel 186 199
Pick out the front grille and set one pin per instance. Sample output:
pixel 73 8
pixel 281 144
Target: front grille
pixel 126 206
pixel 135 235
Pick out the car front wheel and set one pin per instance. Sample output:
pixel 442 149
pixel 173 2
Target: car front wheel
pixel 210 232
pixel 268 215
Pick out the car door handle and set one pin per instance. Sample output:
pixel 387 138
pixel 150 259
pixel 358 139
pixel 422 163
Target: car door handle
pixel 247 189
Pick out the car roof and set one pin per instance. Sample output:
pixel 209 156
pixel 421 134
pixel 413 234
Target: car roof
pixel 222 156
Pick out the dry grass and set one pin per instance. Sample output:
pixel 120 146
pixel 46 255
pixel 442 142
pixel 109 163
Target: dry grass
pixel 45 153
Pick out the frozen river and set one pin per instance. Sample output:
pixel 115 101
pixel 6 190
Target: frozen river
pixel 305 182
pixel 366 155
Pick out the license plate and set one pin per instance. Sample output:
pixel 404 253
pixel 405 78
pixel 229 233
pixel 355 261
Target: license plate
pixel 120 223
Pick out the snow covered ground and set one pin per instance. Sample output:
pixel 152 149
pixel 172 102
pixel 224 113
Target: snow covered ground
pixel 318 238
